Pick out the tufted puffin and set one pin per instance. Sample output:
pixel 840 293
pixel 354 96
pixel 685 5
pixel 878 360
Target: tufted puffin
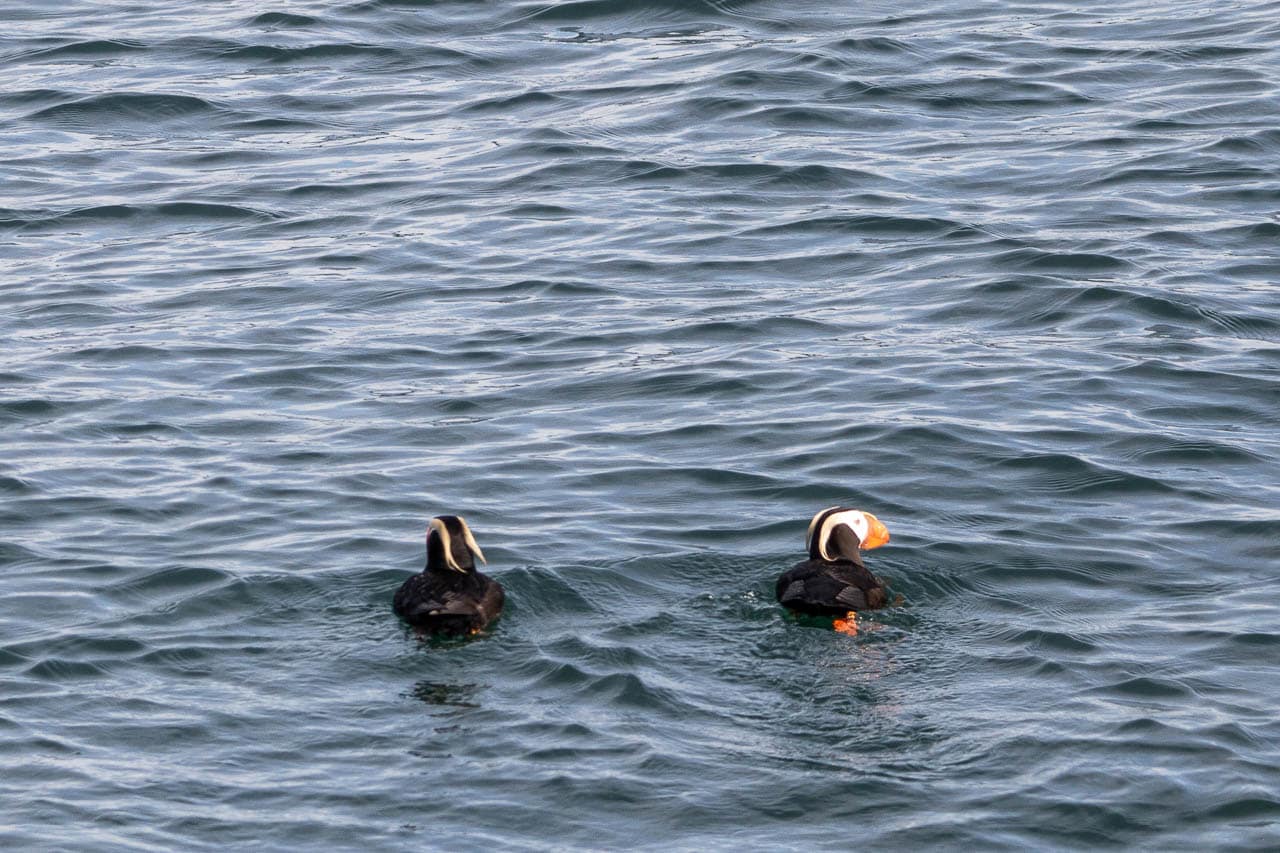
pixel 449 596
pixel 833 581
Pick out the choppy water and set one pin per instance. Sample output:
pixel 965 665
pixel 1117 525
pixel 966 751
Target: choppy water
pixel 637 290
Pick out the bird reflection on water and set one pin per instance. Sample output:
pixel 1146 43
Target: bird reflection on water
pixel 443 694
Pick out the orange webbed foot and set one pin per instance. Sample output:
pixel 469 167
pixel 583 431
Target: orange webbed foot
pixel 847 625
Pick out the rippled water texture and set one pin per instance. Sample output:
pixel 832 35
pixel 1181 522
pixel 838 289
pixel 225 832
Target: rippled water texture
pixel 637 288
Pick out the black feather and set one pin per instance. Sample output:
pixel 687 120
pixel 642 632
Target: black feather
pixel 830 588
pixel 449 602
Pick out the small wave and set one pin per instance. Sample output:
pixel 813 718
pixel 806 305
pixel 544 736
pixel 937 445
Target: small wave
pixel 872 224
pixel 132 214
pixel 61 670
pixel 1116 302
pixel 545 592
pixel 626 13
pixel 1065 474
pixel 282 19
pixel 1195 53
pixel 270 124
pixel 538 211
pixel 620 689
pixel 280 379
pixel 522 102
pixel 89 49
pixel 761 80
pixel 874 44
pixel 1148 687
pixel 1061 262
pixel 1193 452
pixel 974 94
pixel 595 653
pixel 1228 734
pixel 571 173
pixel 1220 415
pixel 827 118
pixel 10 552
pixel 173 581
pixel 760 175
pixel 1191 175
pixel 1263 807
pixel 93 112
pixel 1058 642
pixel 27 97
pixel 33 408
pixel 309 53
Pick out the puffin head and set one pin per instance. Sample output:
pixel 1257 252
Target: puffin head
pixel 838 533
pixel 450 545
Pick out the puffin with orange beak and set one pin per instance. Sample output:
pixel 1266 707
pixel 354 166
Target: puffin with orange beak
pixel 833 581
pixel 450 596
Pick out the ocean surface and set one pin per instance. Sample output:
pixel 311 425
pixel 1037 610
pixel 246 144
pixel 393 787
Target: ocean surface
pixel 637 289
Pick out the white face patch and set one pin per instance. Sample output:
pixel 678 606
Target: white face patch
pixel 855 518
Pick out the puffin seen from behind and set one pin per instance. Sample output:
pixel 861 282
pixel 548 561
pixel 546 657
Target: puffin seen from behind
pixel 833 581
pixel 449 596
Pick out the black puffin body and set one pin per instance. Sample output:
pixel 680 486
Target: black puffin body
pixel 449 596
pixel 834 581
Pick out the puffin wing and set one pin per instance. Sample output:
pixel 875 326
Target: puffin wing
pixel 809 588
pixel 464 611
pixel 450 603
pixel 412 592
pixel 825 589
pixel 419 597
pixel 852 598
pixel 491 602
pixel 428 605
pixel 790 587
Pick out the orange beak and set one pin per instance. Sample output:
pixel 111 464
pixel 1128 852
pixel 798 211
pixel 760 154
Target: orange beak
pixel 877 534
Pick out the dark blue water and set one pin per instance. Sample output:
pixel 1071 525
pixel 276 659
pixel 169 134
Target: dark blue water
pixel 637 289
